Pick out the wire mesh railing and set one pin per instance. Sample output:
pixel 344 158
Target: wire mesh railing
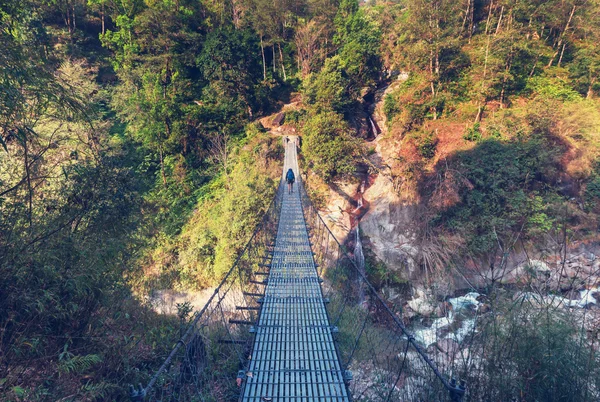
pixel 209 362
pixel 386 362
pixel 205 361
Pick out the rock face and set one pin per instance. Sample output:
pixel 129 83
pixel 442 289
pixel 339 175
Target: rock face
pixel 335 215
pixel 386 225
pixel 165 301
pixel 526 272
pixel 390 225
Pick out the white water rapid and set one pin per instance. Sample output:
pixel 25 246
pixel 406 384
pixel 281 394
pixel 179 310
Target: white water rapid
pixel 373 127
pixel 463 307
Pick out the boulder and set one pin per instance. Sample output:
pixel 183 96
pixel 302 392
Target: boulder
pixel 484 308
pixel 423 304
pixel 448 346
pixel 386 223
pixel 442 309
pixel 278 119
pixel 526 272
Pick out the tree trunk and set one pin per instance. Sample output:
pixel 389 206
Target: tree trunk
pixel 162 166
pixel 29 188
pixel 479 113
pixel 102 17
pixel 561 37
pixel 467 12
pixel 499 21
pixel 482 99
pixel 562 52
pixel 282 63
pixel 489 17
pixel 236 13
pixel 506 72
pixel 262 50
pixel 74 21
pixel 68 20
pixel 590 91
pixel 471 21
pixel 431 63
pixel 160 148
pixel 433 108
pixel 274 70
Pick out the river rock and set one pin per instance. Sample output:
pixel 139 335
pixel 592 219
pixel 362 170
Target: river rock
pixel 484 308
pixel 422 304
pixel 532 270
pixel 390 293
pixel 448 346
pixel 572 270
pixel 442 309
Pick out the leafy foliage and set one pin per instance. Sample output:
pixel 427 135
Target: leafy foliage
pixel 70 363
pixel 129 163
pixel 543 339
pixel 329 89
pixel 327 145
pixel 427 145
pixel 473 133
pixel 506 192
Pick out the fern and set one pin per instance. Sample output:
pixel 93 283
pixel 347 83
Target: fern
pixel 78 364
pixel 98 391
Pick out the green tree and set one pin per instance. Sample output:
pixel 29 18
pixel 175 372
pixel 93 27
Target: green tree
pixel 359 40
pixel 585 67
pixel 329 89
pixel 431 36
pixel 229 63
pixel 329 148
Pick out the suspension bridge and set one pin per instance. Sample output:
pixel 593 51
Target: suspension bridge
pixel 295 320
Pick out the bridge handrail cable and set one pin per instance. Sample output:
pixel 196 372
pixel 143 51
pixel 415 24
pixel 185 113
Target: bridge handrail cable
pixel 456 391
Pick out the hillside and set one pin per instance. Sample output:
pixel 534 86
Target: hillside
pixel 140 144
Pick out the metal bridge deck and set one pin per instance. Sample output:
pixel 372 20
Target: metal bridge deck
pixel 294 357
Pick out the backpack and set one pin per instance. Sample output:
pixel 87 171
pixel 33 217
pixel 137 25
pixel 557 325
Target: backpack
pixel 290 175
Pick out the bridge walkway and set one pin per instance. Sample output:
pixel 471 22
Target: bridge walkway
pixel 294 357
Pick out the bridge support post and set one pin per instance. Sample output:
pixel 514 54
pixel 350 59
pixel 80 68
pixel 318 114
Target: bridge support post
pixel 137 395
pixel 457 391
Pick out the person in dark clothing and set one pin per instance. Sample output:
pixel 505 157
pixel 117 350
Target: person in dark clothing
pixel 290 178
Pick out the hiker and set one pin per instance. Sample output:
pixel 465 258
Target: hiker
pixel 290 178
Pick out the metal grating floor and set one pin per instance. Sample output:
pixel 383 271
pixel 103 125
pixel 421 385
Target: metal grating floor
pixel 294 358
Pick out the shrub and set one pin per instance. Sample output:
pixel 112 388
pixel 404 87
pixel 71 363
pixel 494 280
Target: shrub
pixel 549 358
pixel 473 133
pixel 592 192
pixel 553 88
pixel 390 106
pixel 295 117
pixel 427 146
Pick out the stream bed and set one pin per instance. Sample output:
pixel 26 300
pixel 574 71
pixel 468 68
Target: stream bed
pixel 460 321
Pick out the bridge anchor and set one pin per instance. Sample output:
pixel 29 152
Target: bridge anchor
pixel 457 391
pixel 137 395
